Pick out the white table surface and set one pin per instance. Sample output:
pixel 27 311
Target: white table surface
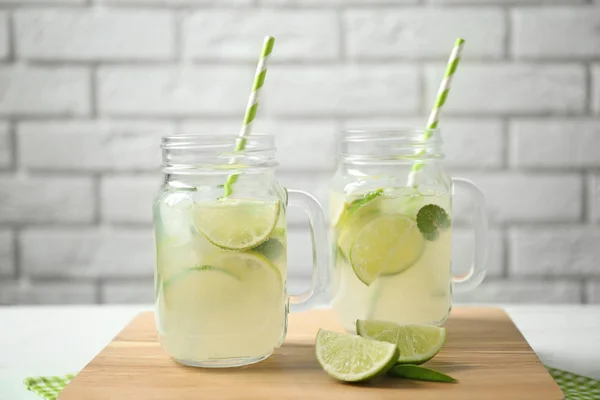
pixel 56 340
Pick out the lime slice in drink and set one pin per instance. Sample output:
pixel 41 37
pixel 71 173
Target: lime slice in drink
pixel 352 358
pixel 229 293
pixel 236 224
pixel 354 218
pixel 387 245
pixel 417 343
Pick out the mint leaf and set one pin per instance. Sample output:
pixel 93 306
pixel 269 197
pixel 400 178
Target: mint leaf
pixel 353 206
pixel 364 199
pixel 431 219
pixel 418 373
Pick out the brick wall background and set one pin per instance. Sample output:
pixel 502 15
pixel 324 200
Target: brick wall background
pixel 88 86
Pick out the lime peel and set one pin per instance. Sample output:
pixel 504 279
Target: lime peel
pixel 417 343
pixel 352 358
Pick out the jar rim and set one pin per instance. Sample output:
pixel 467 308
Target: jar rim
pixel 406 134
pixel 390 145
pixel 261 141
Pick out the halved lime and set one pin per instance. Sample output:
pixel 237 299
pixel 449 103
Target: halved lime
pixel 387 245
pixel 236 224
pixel 417 343
pixel 352 358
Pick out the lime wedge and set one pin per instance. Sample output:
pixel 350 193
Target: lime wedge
pixel 352 358
pixel 417 343
pixel 236 224
pixel 387 245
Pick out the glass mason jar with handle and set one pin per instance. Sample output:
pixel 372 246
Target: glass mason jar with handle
pixel 220 277
pixel 391 229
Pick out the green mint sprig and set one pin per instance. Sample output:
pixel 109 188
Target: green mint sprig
pixel 431 219
pixel 418 373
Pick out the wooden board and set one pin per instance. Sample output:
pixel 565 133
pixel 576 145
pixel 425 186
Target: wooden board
pixel 484 351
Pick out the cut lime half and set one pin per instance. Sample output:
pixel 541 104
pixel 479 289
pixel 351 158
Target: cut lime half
pixel 352 358
pixel 387 245
pixel 417 343
pixel 236 224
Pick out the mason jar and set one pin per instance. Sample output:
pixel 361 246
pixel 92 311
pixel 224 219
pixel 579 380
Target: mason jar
pixel 391 228
pixel 221 266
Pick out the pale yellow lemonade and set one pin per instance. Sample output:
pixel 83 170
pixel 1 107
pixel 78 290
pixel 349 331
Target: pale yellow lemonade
pixel 220 279
pixel 391 256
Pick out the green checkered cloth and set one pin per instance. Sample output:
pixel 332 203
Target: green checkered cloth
pixel 47 387
pixel 574 387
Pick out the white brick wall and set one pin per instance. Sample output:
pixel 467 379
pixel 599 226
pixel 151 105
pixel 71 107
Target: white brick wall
pixel 593 292
pixel 7 254
pixel 523 291
pixel 509 2
pixel 4 36
pixel 5 146
pixel 344 91
pixel 333 2
pixel 541 33
pixel 44 2
pixel 595 88
pixel 512 88
pixel 555 251
pixel 128 198
pixel 87 252
pixel 555 143
pixel 44 90
pixel 101 145
pixel 423 33
pixel 127 292
pixel 175 3
pixel 173 91
pixel 46 200
pixel 234 34
pixel 88 87
pixel 90 35
pixel 594 198
pixel 45 293
pixel 525 197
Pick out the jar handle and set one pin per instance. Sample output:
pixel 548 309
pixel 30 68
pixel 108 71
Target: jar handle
pixel 476 273
pixel 316 295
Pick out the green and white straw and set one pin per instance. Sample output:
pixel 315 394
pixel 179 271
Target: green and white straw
pixel 442 95
pixel 252 106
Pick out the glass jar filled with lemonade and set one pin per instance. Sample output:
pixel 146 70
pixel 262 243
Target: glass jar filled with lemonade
pixel 220 229
pixel 391 229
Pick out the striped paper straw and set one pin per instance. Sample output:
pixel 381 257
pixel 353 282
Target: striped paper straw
pixel 442 95
pixel 252 106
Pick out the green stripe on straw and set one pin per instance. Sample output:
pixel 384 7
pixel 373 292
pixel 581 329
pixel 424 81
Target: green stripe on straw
pixel 442 95
pixel 252 106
